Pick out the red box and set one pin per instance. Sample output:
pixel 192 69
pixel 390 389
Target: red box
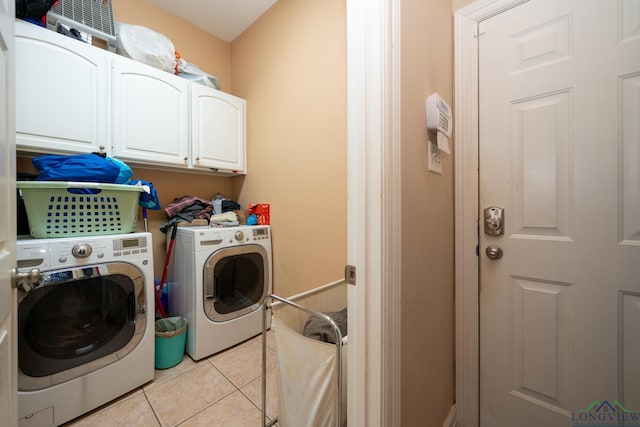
pixel 262 211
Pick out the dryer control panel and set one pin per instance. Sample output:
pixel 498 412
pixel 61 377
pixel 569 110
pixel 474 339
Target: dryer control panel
pixel 260 233
pixel 208 238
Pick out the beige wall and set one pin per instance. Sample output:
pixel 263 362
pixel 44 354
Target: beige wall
pixel 290 66
pixel 427 219
pixel 457 4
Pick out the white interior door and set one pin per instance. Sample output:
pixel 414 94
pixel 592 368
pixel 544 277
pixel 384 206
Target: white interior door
pixel 8 354
pixel 559 113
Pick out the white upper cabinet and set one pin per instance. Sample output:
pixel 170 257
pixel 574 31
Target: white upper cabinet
pixel 72 97
pixel 150 114
pixel 61 93
pixel 218 130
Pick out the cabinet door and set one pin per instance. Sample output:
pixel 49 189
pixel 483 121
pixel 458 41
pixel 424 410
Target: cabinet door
pixel 61 96
pixel 218 126
pixel 150 114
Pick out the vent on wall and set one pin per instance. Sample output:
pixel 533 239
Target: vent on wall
pixel 94 17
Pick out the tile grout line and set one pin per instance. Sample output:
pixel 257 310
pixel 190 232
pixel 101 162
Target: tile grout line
pixel 206 407
pixel 146 388
pixel 259 408
pixel 153 409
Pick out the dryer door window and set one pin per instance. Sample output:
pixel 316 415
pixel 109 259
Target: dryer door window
pixel 235 282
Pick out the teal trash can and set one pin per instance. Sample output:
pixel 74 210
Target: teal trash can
pixel 171 337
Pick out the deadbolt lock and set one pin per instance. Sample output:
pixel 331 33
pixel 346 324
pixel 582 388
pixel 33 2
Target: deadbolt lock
pixel 494 221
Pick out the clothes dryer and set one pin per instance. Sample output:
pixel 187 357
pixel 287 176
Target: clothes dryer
pixel 218 279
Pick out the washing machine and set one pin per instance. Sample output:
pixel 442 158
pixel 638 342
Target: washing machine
pixel 86 326
pixel 218 278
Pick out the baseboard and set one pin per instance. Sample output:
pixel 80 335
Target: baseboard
pixel 450 421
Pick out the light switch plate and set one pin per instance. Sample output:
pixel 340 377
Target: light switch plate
pixel 435 158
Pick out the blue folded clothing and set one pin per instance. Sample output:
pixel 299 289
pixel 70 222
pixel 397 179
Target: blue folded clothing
pixel 93 168
pixel 149 198
pixel 125 171
pixel 78 167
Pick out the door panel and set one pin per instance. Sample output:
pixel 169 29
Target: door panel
pixel 218 126
pixel 541 175
pixel 559 106
pixel 629 159
pixel 61 87
pixel 629 306
pixel 150 114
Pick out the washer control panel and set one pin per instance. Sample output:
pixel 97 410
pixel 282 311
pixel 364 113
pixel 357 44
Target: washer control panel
pixel 52 253
pixel 130 246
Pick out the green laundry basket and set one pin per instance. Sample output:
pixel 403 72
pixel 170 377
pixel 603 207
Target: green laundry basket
pixel 171 337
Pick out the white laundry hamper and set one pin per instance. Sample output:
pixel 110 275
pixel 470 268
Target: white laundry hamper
pixel 312 381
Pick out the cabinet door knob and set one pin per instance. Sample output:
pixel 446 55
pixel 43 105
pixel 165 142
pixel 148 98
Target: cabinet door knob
pixel 197 159
pixel 185 159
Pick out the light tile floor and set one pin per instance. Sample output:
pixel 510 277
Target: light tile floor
pixel 222 390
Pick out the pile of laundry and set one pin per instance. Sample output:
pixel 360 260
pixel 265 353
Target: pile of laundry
pixel 193 210
pixel 93 167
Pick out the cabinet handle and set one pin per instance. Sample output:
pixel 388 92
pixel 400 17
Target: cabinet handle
pixel 197 159
pixel 101 147
pixel 185 159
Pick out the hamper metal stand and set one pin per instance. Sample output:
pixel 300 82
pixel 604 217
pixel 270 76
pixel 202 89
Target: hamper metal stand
pixel 272 301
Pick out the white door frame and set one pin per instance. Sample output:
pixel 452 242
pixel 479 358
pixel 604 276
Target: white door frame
pixel 8 295
pixel 374 234
pixel 466 204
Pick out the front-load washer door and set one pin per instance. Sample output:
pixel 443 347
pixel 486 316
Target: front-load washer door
pixel 77 320
pixel 236 280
